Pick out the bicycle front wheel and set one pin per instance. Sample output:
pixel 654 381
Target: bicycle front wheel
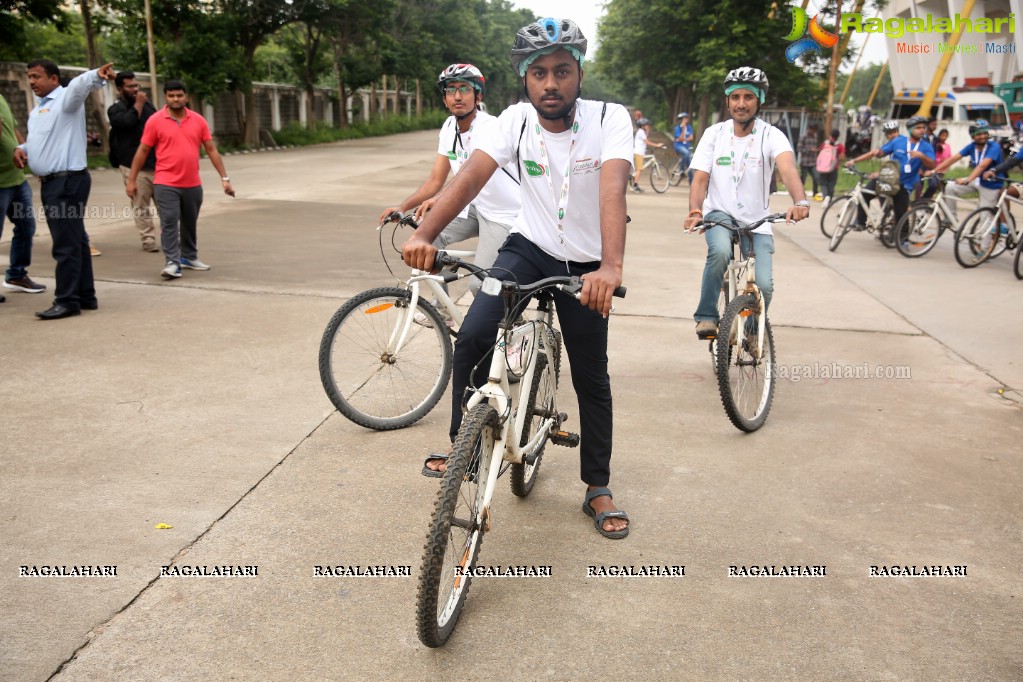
pixel 371 382
pixel 745 373
pixel 841 211
pixel 976 238
pixel 659 178
pixel 918 230
pixel 456 532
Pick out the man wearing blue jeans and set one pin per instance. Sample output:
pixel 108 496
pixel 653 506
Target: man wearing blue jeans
pixel 16 204
pixel 683 143
pixel 733 165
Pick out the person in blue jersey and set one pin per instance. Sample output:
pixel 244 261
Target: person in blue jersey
pixel 912 154
pixel 984 154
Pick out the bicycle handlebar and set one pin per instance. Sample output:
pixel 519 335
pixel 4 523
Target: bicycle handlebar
pixel 735 226
pixel 570 284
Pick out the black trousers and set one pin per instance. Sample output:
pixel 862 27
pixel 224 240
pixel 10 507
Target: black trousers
pixel 585 336
pixel 64 200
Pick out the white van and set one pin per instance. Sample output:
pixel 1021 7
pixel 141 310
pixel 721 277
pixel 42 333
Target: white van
pixel 955 110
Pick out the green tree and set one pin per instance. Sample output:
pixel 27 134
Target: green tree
pixel 706 39
pixel 862 85
pixel 15 15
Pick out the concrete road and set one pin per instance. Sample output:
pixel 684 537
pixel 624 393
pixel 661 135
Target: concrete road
pixel 196 404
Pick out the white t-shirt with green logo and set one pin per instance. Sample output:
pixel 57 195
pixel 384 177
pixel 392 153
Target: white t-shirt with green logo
pixel 726 157
pixel 499 200
pixel 596 143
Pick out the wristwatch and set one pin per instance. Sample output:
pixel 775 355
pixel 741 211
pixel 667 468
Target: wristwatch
pixel 804 203
pixel 225 179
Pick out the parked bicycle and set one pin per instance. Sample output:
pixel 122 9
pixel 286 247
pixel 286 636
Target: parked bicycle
pixel 840 216
pixel 987 233
pixel 745 363
pixel 498 432
pixel 385 355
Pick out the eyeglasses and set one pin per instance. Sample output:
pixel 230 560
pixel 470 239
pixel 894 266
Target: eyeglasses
pixel 461 89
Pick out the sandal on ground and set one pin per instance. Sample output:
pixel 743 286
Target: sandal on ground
pixel 598 519
pixel 434 457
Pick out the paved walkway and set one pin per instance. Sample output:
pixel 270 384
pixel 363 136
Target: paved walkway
pixel 196 404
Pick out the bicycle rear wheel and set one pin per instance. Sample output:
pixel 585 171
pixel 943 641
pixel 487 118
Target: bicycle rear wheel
pixel 836 213
pixel 367 381
pixel 976 238
pixel 677 175
pixel 1017 261
pixel 456 534
pixel 1003 236
pixel 918 230
pixel 539 406
pixel 659 178
pixel 745 376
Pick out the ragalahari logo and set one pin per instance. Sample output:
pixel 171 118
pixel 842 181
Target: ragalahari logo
pixel 808 36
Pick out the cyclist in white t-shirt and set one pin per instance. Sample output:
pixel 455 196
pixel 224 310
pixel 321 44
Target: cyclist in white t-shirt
pixel 639 150
pixel 494 209
pixel 576 156
pixel 733 165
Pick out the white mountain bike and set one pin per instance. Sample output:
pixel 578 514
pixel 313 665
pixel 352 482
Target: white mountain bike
pixel 498 432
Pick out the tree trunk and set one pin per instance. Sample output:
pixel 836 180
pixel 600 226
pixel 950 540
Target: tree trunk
pixel 97 108
pixel 250 127
pixel 704 115
pixel 310 111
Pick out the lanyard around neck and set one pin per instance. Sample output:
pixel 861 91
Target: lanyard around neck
pixel 562 199
pixel 739 169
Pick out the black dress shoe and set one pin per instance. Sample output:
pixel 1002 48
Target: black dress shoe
pixel 90 305
pixel 58 311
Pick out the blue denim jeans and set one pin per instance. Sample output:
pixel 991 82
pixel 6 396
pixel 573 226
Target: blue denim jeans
pixel 719 252
pixel 683 163
pixel 16 204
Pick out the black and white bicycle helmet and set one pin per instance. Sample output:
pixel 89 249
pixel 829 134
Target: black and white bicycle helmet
pixel 747 75
pixel 684 114
pixel 890 126
pixel 642 122
pixel 546 35
pixel 915 121
pixel 463 72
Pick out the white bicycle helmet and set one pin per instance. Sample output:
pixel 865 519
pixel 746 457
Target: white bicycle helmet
pixel 747 75
pixel 543 36
pixel 889 126
pixel 463 72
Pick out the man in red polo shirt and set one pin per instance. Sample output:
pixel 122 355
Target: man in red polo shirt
pixel 177 132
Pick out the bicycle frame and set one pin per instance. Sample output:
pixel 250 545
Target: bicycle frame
pixel 733 273
pixel 433 283
pixel 497 391
pixel 860 192
pixel 1002 207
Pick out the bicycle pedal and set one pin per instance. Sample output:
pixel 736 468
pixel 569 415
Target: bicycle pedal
pixel 565 439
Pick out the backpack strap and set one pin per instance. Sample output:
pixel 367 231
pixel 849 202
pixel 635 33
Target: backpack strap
pixel 522 131
pixel 518 146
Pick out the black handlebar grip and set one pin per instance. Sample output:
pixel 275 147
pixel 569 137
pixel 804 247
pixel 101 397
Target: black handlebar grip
pixel 620 292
